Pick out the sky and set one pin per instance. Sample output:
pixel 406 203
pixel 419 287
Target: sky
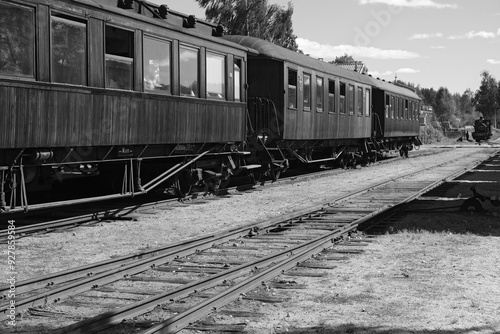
pixel 432 43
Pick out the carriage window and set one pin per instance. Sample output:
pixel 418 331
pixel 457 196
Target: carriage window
pixel 237 79
pixel 360 101
pixel 410 110
pixel 69 51
pixel 17 40
pixel 292 89
pixel 398 107
pixel 119 58
pixel 367 102
pixel 216 73
pixel 406 110
pixel 387 105
pixel 393 106
pixel 342 98
pixel 307 91
pixel 157 70
pixel 189 71
pixel 401 108
pixel 331 96
pixel 320 94
pixel 352 99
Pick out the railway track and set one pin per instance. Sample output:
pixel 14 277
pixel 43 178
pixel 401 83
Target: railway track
pixel 43 221
pixel 209 272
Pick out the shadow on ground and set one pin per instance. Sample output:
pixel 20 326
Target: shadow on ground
pixel 353 329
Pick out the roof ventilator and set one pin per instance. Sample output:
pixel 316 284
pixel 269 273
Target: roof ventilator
pixel 190 22
pixel 162 11
pixel 126 4
pixel 218 31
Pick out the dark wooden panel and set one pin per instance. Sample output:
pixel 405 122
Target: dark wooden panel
pixel 96 52
pixel 32 117
pixel 43 46
pixel 138 76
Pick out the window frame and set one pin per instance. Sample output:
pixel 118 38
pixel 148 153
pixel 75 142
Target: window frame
pixel 31 60
pixel 78 21
pixel 393 107
pixel 237 87
pixel 119 57
pixel 224 74
pixel 296 73
pixel 343 98
pixel 320 94
pixel 306 107
pixel 367 102
pixel 360 101
pixel 331 95
pixel 351 100
pixel 198 74
pixel 171 55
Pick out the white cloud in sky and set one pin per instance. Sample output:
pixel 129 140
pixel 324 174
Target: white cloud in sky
pixel 473 34
pixel 377 74
pixel 410 3
pixel 493 61
pixel 329 52
pixel 437 47
pixel 407 70
pixel 426 36
pixel 498 31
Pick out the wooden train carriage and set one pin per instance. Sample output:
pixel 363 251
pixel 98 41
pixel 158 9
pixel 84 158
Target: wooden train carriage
pixel 317 104
pixel 396 113
pixel 105 80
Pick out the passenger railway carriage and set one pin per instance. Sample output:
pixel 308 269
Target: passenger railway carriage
pixel 315 111
pixel 138 95
pixel 115 87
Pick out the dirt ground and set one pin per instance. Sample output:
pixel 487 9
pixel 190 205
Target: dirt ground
pixel 409 282
pixel 434 273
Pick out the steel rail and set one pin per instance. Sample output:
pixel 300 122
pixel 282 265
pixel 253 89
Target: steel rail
pixel 110 318
pixel 180 321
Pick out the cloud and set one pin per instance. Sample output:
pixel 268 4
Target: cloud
pixel 493 61
pixel 329 52
pixel 437 47
pixel 407 70
pixel 426 36
pixel 473 34
pixel 498 31
pixel 377 74
pixel 410 3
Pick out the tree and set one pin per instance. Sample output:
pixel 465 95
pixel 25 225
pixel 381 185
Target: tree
pixel 466 107
pixel 486 97
pixel 254 18
pixel 444 107
pixel 428 96
pixel 342 60
pixel 347 61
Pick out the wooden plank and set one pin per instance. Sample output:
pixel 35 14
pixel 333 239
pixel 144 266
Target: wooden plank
pixel 159 279
pixel 316 265
pixel 305 273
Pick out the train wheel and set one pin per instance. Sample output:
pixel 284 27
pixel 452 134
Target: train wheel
pixel 182 185
pixel 255 177
pixel 212 185
pixel 275 174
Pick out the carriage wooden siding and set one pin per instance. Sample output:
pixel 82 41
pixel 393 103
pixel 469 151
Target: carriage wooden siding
pixel 34 117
